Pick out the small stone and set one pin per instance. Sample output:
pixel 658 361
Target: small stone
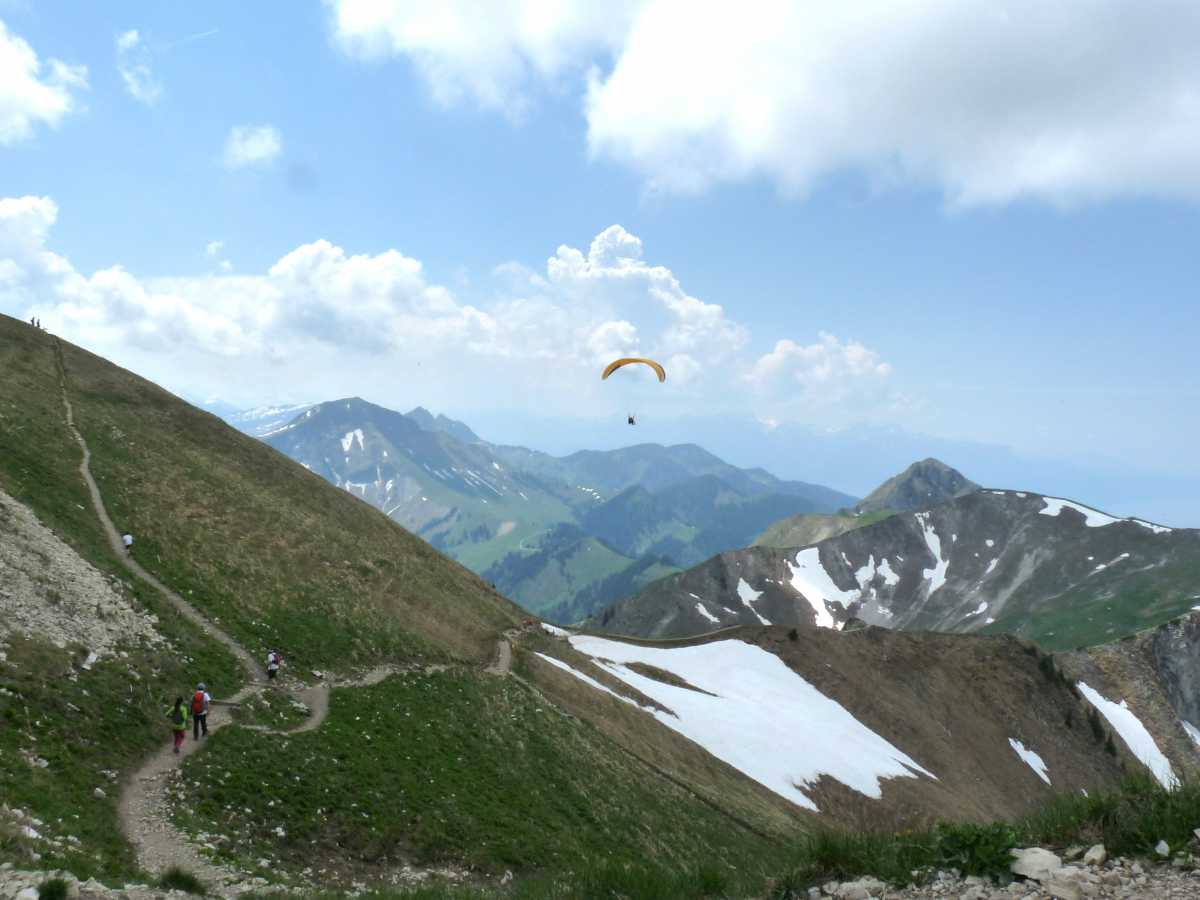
pixel 1073 853
pixel 29 893
pixel 1095 856
pixel 829 888
pixel 99 794
pixel 1163 849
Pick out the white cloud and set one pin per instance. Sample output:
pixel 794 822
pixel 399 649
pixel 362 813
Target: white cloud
pixel 252 145
pixel 817 365
pixel 322 320
pixel 988 102
pixel 33 93
pixel 133 63
pixel 490 53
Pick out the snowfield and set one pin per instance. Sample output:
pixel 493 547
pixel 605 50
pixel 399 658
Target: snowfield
pixel 1031 759
pixel 1134 734
pixel 704 612
pixel 764 720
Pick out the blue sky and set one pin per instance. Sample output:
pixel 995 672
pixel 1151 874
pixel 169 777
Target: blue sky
pixel 974 224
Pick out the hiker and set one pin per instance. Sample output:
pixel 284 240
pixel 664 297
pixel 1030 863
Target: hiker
pixel 200 701
pixel 274 661
pixel 127 540
pixel 177 715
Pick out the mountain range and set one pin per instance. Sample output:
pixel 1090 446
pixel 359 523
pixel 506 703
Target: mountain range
pixel 987 561
pixel 564 536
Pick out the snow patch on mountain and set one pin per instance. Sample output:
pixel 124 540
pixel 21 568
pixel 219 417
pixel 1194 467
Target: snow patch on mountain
pixel 937 575
pixel 814 583
pixel 1031 759
pixel 349 437
pixel 748 595
pixel 704 612
pixel 1134 734
pixel 757 715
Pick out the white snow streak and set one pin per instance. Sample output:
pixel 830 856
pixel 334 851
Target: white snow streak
pixel 1192 730
pixel 349 438
pixel 586 679
pixel 937 575
pixel 765 720
pixel 1034 761
pixel 1135 735
pixel 810 579
pixel 1093 518
pixel 748 595
pixel 704 612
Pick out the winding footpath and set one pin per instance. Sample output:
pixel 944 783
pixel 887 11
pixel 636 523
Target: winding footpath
pixel 144 807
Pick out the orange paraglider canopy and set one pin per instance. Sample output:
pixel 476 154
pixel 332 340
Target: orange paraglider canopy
pixel 625 361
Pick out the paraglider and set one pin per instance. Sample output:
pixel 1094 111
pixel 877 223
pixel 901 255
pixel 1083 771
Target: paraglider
pixel 627 360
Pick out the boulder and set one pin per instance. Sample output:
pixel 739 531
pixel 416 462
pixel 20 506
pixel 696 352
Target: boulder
pixel 1035 863
pixel 1095 856
pixel 1163 849
pixel 862 889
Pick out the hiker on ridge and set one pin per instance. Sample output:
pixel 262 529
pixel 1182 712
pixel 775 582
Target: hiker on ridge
pixel 177 715
pixel 274 660
pixel 200 701
pixel 127 540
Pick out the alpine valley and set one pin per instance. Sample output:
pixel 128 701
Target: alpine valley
pixel 563 536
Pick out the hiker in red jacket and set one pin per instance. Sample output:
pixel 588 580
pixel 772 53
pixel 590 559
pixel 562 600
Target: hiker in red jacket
pixel 200 701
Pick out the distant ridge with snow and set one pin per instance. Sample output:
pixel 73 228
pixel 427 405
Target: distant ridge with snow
pixel 993 561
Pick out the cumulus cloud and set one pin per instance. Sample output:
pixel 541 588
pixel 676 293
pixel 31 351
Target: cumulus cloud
pixel 252 145
pixel 829 373
pixel 133 64
pixel 32 92
pixel 988 102
pixel 327 317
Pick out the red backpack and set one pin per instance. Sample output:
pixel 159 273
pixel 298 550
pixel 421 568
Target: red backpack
pixel 198 703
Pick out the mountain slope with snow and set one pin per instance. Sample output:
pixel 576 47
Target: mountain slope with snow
pixel 993 561
pixel 563 536
pixel 895 727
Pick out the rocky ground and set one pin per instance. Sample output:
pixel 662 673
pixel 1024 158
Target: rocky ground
pixel 48 589
pixel 1039 874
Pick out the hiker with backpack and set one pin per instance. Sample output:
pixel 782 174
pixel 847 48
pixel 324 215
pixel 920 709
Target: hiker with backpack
pixel 200 701
pixel 177 716
pixel 274 661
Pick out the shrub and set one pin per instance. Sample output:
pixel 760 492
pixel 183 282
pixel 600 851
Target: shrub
pixel 177 879
pixel 53 889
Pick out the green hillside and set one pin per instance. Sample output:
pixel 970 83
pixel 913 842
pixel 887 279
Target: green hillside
pixel 446 764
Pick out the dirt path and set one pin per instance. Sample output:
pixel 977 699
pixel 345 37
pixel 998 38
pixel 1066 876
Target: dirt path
pixel 145 802
pixel 503 664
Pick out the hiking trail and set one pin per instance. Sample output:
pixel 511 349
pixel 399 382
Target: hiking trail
pixel 145 803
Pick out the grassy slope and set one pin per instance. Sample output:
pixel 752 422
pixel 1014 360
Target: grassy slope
pixel 81 722
pixel 449 767
pixel 274 552
pixel 803 530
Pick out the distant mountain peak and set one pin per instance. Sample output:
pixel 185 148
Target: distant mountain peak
pixel 925 483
